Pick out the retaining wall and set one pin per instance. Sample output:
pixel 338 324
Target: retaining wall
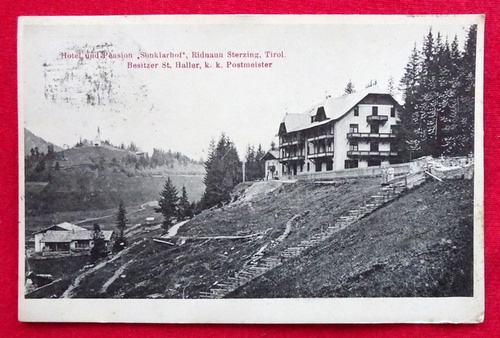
pixel 399 169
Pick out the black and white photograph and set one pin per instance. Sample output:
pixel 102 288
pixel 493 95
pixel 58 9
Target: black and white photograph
pixel 251 169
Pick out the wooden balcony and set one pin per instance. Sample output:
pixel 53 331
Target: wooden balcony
pixel 377 118
pixel 321 137
pixel 288 143
pixel 382 136
pixel 365 153
pixel 320 154
pixel 292 158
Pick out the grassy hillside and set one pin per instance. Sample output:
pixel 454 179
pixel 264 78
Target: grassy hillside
pixel 94 178
pixel 92 155
pixel 419 245
pixel 84 189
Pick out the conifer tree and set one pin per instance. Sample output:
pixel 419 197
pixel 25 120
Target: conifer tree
pixel 223 172
pixel 438 90
pixel 168 203
pixel 121 223
pixel 184 206
pixel 349 89
pixel 99 248
pixel 408 133
pixel 261 166
pixel 391 89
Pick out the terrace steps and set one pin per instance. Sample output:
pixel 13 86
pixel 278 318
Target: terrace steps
pixel 260 263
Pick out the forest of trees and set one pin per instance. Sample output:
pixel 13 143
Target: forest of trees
pixel 159 158
pixel 254 167
pixel 438 92
pixel 38 164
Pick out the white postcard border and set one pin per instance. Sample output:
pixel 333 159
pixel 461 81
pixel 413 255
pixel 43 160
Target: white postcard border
pixel 332 310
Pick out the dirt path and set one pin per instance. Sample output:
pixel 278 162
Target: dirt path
pixel 78 280
pixel 173 230
pixel 141 207
pixel 115 276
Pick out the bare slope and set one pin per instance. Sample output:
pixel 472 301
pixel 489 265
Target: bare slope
pixel 418 245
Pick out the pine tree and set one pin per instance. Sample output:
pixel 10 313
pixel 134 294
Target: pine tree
pixel 254 167
pixel 408 133
pixel 349 89
pixel 250 164
pixel 438 89
pixel 99 248
pixel 391 89
pixel 121 224
pixel 223 172
pixel 260 164
pixel 466 94
pixel 168 203
pixel 184 206
pixel 371 83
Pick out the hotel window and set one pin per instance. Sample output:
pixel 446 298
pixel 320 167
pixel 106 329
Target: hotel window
pixel 353 128
pixel 353 146
pixel 374 110
pixel 356 111
pixel 348 164
pixel 329 165
pixel 319 165
pixel 393 112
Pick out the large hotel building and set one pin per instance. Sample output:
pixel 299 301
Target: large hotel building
pixel 354 131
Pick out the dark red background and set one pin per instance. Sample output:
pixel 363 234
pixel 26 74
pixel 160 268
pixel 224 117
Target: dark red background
pixel 9 11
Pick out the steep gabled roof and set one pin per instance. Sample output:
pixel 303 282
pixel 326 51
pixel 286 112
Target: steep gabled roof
pixel 69 236
pixel 295 122
pixel 65 226
pixel 270 155
pixel 70 227
pixel 335 108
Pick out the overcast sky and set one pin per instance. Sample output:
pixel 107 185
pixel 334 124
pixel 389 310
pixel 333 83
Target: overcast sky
pixel 183 109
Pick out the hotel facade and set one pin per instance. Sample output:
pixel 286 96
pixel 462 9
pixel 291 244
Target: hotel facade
pixel 357 130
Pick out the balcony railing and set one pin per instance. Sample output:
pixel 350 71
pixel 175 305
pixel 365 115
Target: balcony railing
pixel 377 118
pixel 371 135
pixel 292 158
pixel 320 137
pixel 290 142
pixel 321 154
pixel 362 153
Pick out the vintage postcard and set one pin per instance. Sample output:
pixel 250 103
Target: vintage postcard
pixel 251 169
